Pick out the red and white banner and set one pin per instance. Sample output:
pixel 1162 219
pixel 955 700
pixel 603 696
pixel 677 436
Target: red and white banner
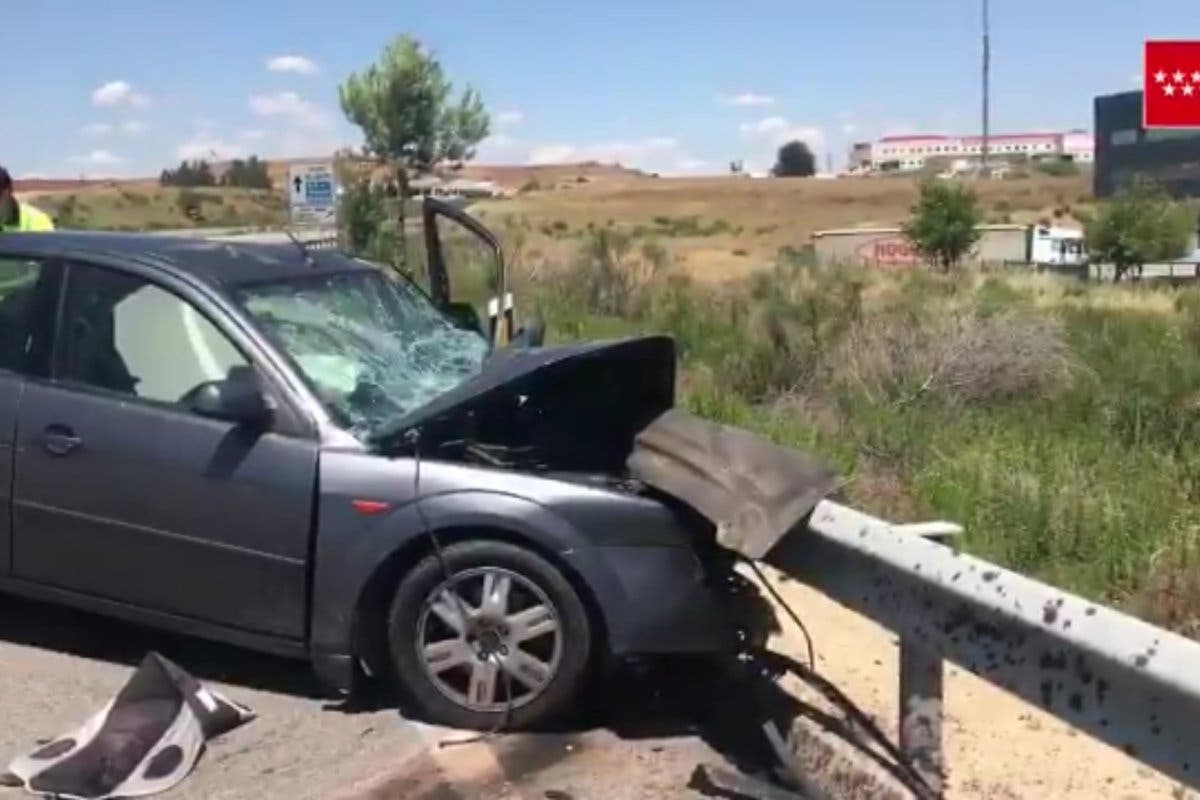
pixel 1171 92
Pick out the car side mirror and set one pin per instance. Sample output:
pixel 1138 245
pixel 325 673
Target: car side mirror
pixel 237 398
pixel 465 316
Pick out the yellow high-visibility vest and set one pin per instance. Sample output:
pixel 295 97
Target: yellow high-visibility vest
pixel 29 218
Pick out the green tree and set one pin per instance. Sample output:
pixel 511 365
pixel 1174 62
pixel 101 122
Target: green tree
pixel 794 160
pixel 1141 224
pixel 189 173
pixel 249 174
pixel 944 225
pixel 363 217
pixel 404 106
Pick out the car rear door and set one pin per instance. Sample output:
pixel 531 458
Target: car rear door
pixel 124 494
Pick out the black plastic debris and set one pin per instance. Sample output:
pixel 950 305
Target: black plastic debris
pixel 144 741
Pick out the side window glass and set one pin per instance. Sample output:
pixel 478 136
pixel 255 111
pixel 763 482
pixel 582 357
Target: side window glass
pixel 126 335
pixel 18 309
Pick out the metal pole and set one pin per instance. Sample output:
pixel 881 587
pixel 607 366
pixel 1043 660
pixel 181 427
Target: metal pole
pixel 921 712
pixel 987 58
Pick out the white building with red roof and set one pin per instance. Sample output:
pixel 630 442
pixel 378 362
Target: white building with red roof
pixel 911 152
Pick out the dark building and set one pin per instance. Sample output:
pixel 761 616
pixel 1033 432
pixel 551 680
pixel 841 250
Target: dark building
pixel 1124 148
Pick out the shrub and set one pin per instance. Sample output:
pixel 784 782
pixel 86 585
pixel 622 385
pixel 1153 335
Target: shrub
pixel 1141 224
pixel 609 274
pixel 944 223
pixel 958 357
pixel 1057 168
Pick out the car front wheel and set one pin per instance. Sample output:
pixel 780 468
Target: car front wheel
pixel 495 637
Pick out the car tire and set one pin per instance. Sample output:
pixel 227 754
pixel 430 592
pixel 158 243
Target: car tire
pixel 505 668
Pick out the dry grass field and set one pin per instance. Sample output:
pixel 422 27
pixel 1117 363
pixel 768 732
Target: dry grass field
pixel 720 228
pixel 712 228
pixel 144 205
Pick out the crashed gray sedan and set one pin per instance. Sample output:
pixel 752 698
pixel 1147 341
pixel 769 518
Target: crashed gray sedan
pixel 299 452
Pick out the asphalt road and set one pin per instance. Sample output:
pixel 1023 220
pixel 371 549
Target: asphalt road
pixel 59 667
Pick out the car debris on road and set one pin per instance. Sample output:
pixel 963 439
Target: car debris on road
pixel 145 741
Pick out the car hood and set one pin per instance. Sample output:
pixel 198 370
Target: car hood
pixel 606 409
pixel 569 408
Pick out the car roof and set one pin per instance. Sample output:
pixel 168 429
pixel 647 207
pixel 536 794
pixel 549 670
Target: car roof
pixel 221 263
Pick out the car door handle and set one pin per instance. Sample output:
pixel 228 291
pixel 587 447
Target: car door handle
pixel 59 440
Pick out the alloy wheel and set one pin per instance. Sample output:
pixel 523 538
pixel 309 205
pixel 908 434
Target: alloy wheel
pixel 489 639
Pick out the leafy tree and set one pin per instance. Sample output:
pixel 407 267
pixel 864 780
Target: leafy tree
pixel 364 216
pixel 1141 224
pixel 403 103
pixel 189 173
pixel 944 224
pixel 794 160
pixel 249 174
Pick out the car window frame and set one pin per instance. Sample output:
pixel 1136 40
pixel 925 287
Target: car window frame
pixel 41 330
pixel 288 419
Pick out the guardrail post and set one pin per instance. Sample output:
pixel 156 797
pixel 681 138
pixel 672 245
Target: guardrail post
pixel 921 712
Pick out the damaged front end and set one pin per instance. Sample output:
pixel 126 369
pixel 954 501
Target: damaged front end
pixel 607 409
pixel 572 408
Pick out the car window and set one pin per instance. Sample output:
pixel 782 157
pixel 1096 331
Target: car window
pixel 127 335
pixel 18 283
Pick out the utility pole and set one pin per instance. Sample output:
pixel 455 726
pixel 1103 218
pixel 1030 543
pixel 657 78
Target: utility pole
pixel 987 58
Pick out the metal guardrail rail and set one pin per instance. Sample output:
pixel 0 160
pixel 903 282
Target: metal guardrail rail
pixel 1117 678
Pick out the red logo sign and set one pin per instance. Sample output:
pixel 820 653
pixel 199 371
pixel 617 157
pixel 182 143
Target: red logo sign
pixel 889 251
pixel 1171 90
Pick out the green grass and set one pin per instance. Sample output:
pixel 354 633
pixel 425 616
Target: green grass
pixel 137 209
pixel 1061 432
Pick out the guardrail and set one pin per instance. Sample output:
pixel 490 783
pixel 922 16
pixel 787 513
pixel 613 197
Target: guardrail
pixel 321 243
pixel 1115 677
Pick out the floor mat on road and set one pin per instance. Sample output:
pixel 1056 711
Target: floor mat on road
pixel 144 741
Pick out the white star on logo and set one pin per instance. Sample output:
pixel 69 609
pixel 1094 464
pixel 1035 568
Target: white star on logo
pixel 1188 89
pixel 1160 76
pixel 1196 76
pixel 1169 90
pixel 1178 76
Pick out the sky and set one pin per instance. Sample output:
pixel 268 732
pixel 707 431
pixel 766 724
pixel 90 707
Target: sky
pixel 128 87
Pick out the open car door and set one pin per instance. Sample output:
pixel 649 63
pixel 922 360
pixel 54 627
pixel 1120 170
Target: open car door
pixel 467 277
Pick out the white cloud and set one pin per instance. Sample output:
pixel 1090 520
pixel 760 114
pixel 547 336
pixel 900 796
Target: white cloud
pixel 253 134
pixel 511 117
pixel 131 127
pixel 208 148
pixel 298 65
pixel 692 165
pixel 849 128
pixel 301 143
pixel 291 107
pixel 747 99
pixel 777 130
pixel 663 154
pixel 639 152
pixel 118 93
pixel 98 158
pixel 898 128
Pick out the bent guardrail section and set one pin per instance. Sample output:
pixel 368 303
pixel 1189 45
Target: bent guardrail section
pixel 1119 679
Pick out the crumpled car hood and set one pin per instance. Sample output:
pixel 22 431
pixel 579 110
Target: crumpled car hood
pixel 566 408
pixel 606 408
pixel 752 490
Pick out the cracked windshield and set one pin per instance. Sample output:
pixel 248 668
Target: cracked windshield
pixel 586 400
pixel 372 344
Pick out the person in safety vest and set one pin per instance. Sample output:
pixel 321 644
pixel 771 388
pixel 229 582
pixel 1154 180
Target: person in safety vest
pixel 15 216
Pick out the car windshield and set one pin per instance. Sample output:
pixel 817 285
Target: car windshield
pixel 374 347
